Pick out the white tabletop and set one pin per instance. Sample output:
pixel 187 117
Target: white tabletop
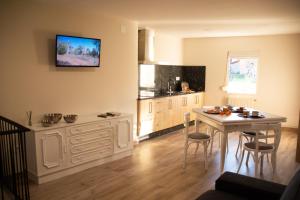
pixel 233 118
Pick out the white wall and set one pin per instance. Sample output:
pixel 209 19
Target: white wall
pixel 167 49
pixel 29 79
pixel 278 89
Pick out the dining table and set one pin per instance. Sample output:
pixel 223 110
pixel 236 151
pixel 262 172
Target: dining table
pixel 234 122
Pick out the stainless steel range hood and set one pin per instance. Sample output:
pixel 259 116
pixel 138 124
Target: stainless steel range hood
pixel 146 46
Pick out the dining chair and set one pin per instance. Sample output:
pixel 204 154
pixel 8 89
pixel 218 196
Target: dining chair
pixel 248 135
pixel 259 149
pixel 194 137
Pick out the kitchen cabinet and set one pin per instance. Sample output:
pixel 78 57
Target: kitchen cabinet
pixel 64 149
pixel 196 100
pixel 173 117
pixel 146 116
pixel 160 113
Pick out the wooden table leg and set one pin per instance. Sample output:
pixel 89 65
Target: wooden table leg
pixel 273 158
pixel 223 149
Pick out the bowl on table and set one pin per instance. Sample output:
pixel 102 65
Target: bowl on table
pixel 70 118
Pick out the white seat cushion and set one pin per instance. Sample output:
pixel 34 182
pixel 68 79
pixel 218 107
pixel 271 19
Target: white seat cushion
pixel 198 136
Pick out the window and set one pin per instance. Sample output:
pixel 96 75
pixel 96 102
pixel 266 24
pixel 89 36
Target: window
pixel 241 74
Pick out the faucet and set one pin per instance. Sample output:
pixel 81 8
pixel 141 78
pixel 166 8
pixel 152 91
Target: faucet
pixel 170 91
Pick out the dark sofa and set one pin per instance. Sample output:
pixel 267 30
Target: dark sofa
pixel 232 186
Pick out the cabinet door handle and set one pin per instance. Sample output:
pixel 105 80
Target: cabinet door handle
pixel 150 107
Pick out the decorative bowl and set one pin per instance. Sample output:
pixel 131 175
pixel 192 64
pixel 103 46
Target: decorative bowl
pixel 53 117
pixel 46 122
pixel 70 118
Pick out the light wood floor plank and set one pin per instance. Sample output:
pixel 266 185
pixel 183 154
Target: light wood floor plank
pixel 155 172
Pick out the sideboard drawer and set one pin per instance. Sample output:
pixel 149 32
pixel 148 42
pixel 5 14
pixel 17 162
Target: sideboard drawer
pixel 90 156
pixel 91 136
pixel 95 145
pixel 89 127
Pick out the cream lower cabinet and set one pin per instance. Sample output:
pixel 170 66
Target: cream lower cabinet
pixel 160 114
pixel 89 142
pixel 196 100
pixel 146 116
pixel 56 152
pixel 51 150
pixel 123 135
pixel 165 112
pixel 173 118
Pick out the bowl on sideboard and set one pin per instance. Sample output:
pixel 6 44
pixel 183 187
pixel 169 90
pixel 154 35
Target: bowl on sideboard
pixel 53 117
pixel 70 118
pixel 46 122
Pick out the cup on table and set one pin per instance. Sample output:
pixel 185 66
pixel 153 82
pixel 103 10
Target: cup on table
pixel 255 113
pixel 229 107
pixel 246 113
pixel 242 108
pixel 217 107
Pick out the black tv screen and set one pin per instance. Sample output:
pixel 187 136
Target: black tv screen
pixel 74 51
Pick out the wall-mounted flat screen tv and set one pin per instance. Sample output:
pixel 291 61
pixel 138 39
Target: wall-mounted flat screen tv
pixel 74 51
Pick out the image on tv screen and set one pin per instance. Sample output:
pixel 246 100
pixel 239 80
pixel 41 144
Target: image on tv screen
pixel 77 51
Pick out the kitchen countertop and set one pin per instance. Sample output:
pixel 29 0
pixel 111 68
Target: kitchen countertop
pixel 165 95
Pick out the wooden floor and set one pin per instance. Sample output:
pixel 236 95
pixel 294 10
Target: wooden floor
pixel 155 172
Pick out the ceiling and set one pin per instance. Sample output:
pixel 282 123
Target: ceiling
pixel 202 18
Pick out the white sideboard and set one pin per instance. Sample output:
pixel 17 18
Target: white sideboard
pixel 64 149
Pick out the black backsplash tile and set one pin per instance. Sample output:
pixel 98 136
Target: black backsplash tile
pixel 164 74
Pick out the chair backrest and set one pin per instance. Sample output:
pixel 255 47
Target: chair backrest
pixel 186 122
pixel 271 130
